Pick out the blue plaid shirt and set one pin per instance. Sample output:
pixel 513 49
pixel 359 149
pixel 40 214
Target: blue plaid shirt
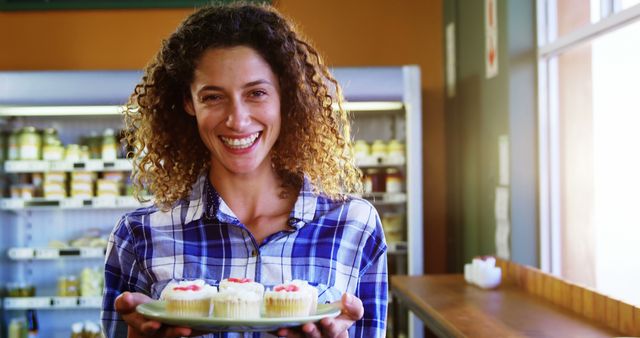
pixel 338 246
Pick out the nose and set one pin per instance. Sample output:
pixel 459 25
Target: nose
pixel 239 116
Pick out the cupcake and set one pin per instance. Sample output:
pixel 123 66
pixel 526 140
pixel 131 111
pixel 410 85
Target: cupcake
pixel 293 299
pixel 236 303
pixel 244 284
pixel 188 298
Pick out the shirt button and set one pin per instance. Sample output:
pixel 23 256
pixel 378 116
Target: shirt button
pixel 253 253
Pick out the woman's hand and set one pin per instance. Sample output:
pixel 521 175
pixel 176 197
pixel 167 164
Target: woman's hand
pixel 352 310
pixel 138 325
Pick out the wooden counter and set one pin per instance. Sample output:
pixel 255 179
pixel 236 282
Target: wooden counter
pixel 450 307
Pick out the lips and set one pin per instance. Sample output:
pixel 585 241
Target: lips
pixel 240 142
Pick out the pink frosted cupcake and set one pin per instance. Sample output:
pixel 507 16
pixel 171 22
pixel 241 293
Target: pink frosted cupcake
pixel 294 299
pixel 189 298
pixel 244 284
pixel 236 303
pixel 238 298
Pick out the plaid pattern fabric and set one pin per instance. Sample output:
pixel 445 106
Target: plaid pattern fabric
pixel 338 246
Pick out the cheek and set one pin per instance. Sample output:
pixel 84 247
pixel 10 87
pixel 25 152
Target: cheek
pixel 207 122
pixel 277 128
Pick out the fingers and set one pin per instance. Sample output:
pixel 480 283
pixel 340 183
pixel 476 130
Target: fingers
pixel 289 333
pixel 310 330
pixel 178 332
pixel 139 326
pixel 352 310
pixel 127 301
pixel 352 307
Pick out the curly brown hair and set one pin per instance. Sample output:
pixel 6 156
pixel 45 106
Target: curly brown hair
pixel 315 138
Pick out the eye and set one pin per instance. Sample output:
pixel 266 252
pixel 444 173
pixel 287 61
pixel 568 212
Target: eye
pixel 258 93
pixel 210 98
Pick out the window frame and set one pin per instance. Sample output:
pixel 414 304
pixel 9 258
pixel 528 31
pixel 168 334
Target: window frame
pixel 550 46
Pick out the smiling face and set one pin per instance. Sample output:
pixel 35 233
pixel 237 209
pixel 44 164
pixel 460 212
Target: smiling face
pixel 235 97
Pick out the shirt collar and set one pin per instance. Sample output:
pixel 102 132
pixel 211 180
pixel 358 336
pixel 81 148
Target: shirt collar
pixel 215 208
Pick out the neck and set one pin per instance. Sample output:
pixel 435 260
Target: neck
pixel 248 194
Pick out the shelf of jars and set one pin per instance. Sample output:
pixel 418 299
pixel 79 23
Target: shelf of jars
pixel 52 303
pixel 24 253
pixel 43 166
pixel 70 203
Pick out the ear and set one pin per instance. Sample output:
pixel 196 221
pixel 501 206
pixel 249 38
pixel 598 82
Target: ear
pixel 188 104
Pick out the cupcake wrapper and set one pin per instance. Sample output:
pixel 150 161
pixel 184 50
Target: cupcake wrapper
pixel 237 309
pixel 287 307
pixel 189 308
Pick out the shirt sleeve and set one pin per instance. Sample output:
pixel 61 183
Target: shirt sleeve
pixel 122 273
pixel 373 285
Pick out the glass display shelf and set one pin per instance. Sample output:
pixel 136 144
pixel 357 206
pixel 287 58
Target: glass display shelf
pixel 52 303
pixel 37 166
pixel 380 162
pixel 23 253
pixel 106 202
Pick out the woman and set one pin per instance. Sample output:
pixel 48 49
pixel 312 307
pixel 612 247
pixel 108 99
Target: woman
pixel 262 193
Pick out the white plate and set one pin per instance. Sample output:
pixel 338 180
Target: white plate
pixel 157 311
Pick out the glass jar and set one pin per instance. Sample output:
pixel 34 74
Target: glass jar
pixel 17 328
pixel 395 152
pixel 21 289
pixel 29 143
pixel 85 153
pixel 27 191
pixel 361 149
pixel 53 151
pixel 68 286
pixel 376 179
pixel 49 136
pixel 109 145
pixel 13 146
pixel 379 150
pixel 94 141
pixel 393 181
pixel 72 153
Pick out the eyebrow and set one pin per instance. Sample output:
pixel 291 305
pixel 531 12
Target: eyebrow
pixel 246 85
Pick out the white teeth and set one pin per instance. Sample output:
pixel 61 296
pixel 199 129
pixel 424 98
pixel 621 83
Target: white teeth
pixel 240 143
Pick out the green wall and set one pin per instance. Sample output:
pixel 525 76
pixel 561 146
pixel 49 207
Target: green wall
pixel 481 111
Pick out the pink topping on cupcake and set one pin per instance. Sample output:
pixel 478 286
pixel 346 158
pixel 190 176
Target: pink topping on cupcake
pixel 192 287
pixel 286 288
pixel 240 280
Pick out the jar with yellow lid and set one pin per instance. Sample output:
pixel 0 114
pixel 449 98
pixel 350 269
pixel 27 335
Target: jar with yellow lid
pixel 53 150
pixel 109 145
pixel 29 143
pixel 379 150
pixel 395 152
pixel 361 149
pixel 72 153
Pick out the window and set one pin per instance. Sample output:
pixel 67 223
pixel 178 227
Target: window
pixel 589 141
